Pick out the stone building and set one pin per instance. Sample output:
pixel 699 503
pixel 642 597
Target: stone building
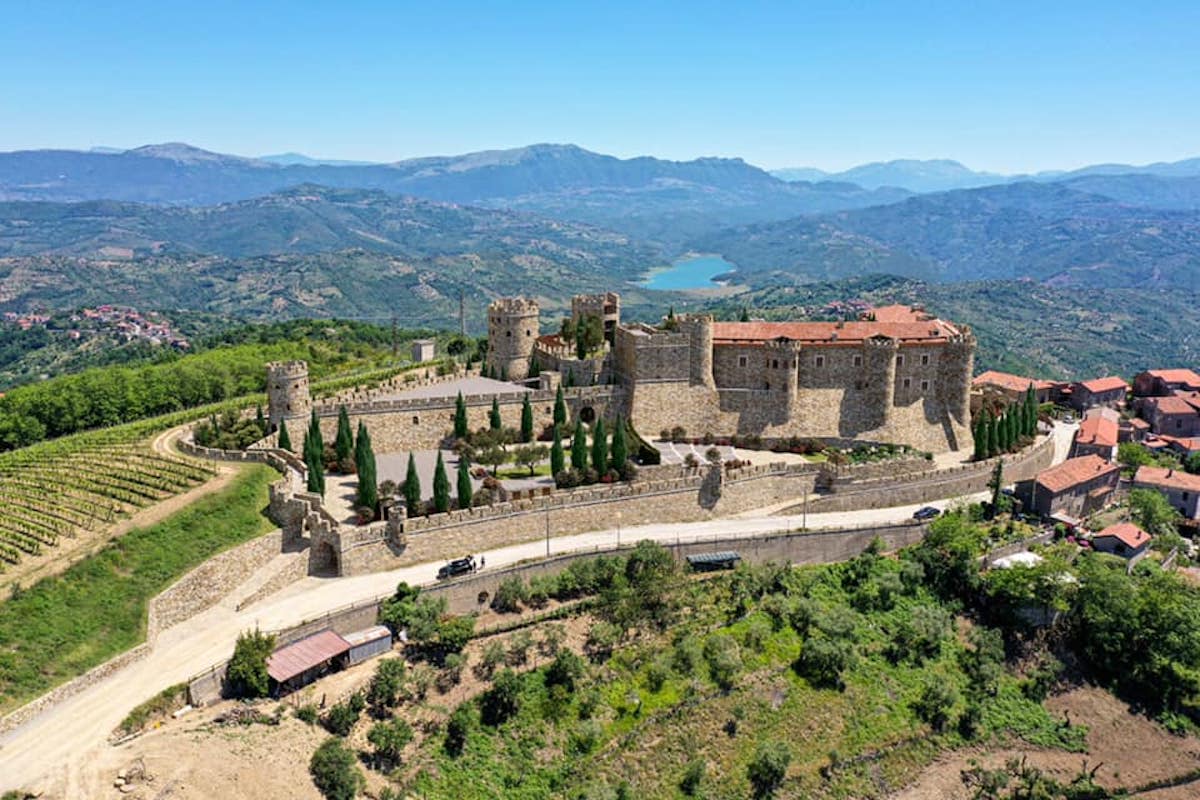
pixel 606 306
pixel 288 396
pixel 903 379
pixel 1076 487
pixel 424 350
pixel 512 332
pixel 1181 489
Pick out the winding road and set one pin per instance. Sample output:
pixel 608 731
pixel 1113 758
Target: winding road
pixel 51 752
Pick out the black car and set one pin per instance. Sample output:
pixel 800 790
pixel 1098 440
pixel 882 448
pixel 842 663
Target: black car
pixel 459 566
pixel 927 512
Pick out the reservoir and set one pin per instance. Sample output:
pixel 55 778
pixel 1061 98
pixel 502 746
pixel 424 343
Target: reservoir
pixel 689 272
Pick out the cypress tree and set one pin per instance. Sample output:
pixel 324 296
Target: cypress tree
pixel 412 488
pixel 534 369
pixel 441 487
pixel 504 372
pixel 620 451
pixel 980 434
pixel 314 428
pixel 494 421
pixel 579 454
pixel 1013 428
pixel 526 421
pixel 364 461
pixel 285 441
pixel 260 420
pixel 570 379
pixel 314 455
pixel 745 315
pixel 466 491
pixel 599 448
pixel 993 436
pixel 343 445
pixel 1002 433
pixel 461 428
pixel 558 459
pixel 560 407
pixel 1032 405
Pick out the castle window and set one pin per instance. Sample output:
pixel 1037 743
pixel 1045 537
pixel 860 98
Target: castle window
pixel 925 359
pixel 858 361
pixel 924 386
pixel 508 334
pixel 774 363
pixel 528 332
pixel 820 361
pixel 741 361
pixel 416 420
pixel 899 361
pixel 907 383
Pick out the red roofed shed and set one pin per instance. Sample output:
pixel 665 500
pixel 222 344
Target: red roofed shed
pixel 302 662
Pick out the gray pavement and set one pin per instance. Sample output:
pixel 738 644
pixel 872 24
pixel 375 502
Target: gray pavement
pixel 470 385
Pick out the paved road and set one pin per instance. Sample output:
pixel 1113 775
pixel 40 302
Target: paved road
pixel 51 750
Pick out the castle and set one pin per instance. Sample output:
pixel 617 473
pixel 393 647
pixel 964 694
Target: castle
pixel 897 375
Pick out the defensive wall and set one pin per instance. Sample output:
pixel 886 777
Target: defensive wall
pixel 472 593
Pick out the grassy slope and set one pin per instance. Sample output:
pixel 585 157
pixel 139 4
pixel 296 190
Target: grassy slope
pixel 869 728
pixel 65 625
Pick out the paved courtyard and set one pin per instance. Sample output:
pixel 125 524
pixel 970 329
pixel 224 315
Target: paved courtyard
pixel 473 384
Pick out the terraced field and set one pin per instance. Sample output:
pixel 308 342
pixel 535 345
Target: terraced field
pixel 82 483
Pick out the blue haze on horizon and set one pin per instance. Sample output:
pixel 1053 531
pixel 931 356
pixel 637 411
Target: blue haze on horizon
pixel 1001 86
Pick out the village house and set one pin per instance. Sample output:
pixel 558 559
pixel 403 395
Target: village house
pixel 1076 487
pixel 1108 391
pixel 1173 415
pixel 1182 489
pixel 1123 539
pixel 1163 382
pixel 1014 387
pixel 1098 434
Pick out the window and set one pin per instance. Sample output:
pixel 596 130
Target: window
pixel 925 360
pixel 820 361
pixel 899 361
pixel 858 361
pixel 1178 423
pixel 741 361
pixel 774 363
pixel 416 420
pixel 907 383
pixel 508 334
pixel 924 386
pixel 528 332
pixel 1185 495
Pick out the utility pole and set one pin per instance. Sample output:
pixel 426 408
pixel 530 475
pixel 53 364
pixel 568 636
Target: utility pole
pixel 395 349
pixel 547 533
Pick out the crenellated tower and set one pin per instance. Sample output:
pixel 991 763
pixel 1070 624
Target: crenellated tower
pixel 879 377
pixel 288 396
pixel 699 329
pixel 512 331
pixel 782 375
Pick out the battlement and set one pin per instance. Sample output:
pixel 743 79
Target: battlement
pixel 522 306
pixel 284 369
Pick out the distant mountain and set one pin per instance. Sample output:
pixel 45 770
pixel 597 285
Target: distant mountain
pixel 933 175
pixel 647 197
pixel 1050 233
pixel 292 159
pixel 303 251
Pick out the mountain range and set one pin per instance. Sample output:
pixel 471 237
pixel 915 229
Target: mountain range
pixel 939 175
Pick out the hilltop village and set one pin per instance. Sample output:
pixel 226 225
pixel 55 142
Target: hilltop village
pixel 437 510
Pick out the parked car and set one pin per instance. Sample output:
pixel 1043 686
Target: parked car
pixel 926 512
pixel 459 566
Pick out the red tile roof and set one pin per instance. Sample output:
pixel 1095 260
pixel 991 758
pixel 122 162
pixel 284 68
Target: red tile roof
pixel 1127 533
pixel 828 332
pixel 1182 376
pixel 1174 404
pixel 311 651
pixel 1009 382
pixel 1075 471
pixel 1104 384
pixel 899 313
pixel 1139 423
pixel 1097 430
pixel 1166 478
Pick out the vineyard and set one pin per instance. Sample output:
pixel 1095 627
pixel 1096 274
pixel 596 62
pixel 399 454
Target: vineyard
pixel 83 483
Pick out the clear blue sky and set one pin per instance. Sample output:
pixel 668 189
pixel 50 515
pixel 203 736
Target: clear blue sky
pixel 1005 86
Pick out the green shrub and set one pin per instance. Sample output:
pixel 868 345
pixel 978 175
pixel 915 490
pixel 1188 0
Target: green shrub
pixel 389 739
pixel 387 683
pixel 334 770
pixel 509 595
pixel 308 713
pixel 693 776
pixel 768 768
pixel 340 719
pixel 246 675
pixel 936 702
pixel 565 670
pixel 723 658
pixel 503 700
pixel 458 728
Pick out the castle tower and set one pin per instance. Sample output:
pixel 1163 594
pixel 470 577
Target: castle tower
pixel 879 369
pixel 783 372
pixel 287 391
pixel 699 328
pixel 606 306
pixel 957 366
pixel 512 330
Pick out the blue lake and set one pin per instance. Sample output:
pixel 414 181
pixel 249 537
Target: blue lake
pixel 690 272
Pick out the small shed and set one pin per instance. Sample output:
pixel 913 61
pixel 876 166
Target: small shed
pixel 302 662
pixel 707 562
pixel 368 643
pixel 423 350
pixel 1123 539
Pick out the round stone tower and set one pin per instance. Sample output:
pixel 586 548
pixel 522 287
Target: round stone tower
pixel 287 391
pixel 512 330
pixel 699 328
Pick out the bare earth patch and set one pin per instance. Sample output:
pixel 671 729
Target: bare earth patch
pixel 1130 749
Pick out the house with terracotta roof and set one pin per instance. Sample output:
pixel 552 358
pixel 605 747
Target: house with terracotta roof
pixel 1098 434
pixel 1182 489
pixel 1123 539
pixel 1014 386
pixel 1076 487
pixel 1173 415
pixel 1108 391
pixel 1132 429
pixel 1162 382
